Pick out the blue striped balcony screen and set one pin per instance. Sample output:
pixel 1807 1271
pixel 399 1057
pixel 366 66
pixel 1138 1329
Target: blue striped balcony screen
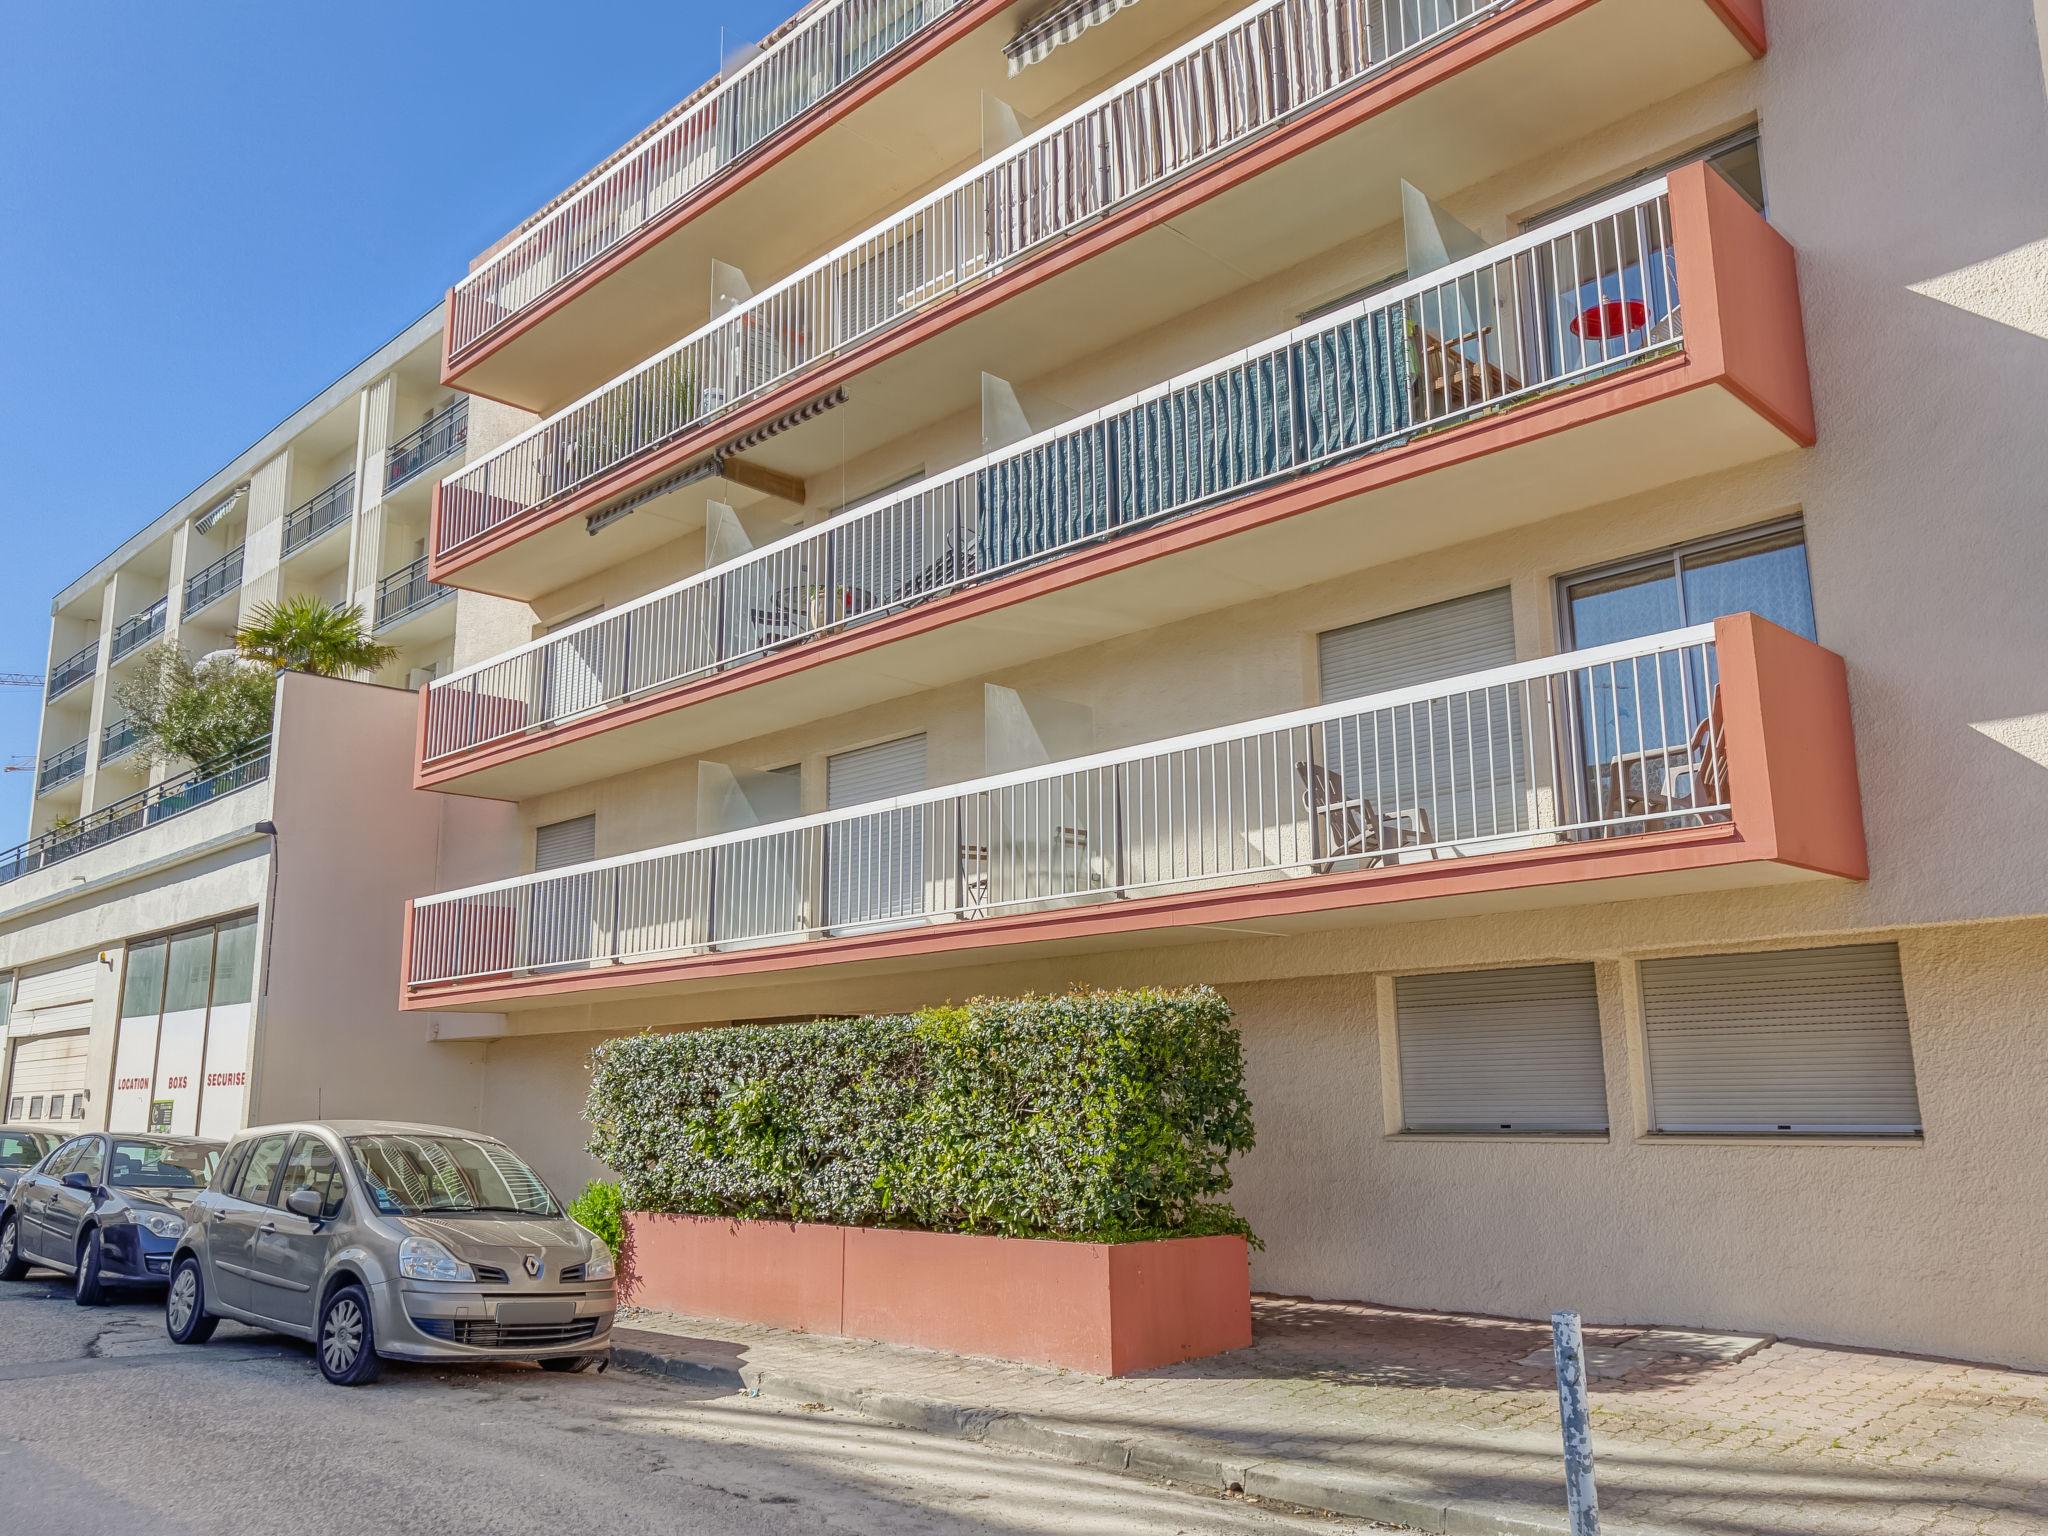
pixel 1046 499
pixel 1206 439
pixel 1355 389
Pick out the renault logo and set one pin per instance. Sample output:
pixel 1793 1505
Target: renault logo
pixel 534 1265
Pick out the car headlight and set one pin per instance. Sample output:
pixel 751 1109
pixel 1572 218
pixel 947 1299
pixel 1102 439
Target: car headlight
pixel 421 1258
pixel 599 1265
pixel 162 1223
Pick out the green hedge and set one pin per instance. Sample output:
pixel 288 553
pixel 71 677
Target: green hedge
pixel 1106 1115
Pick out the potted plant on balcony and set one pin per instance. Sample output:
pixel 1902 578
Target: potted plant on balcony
pixel 1035 1178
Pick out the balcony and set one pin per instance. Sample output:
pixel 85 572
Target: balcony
pixel 1708 757
pixel 117 739
pixel 206 587
pixel 139 629
pixel 442 437
pixel 803 70
pixel 406 592
pixel 160 802
pixel 1207 170
pixel 1556 371
pixel 327 510
pixel 73 670
pixel 61 768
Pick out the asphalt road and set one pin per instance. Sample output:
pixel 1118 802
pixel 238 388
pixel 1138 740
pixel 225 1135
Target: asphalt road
pixel 106 1426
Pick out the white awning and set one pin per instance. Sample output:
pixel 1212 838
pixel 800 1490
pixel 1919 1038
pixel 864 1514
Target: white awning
pixel 1061 24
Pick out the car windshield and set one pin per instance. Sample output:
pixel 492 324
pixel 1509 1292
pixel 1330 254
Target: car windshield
pixel 163 1165
pixel 21 1149
pixel 418 1175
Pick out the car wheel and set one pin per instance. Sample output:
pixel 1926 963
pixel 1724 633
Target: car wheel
pixel 347 1345
pixel 12 1265
pixel 86 1286
pixel 186 1319
pixel 569 1363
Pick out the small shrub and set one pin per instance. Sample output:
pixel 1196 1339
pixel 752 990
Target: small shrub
pixel 600 1210
pixel 1103 1115
pixel 195 712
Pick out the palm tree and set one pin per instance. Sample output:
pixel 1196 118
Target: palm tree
pixel 304 634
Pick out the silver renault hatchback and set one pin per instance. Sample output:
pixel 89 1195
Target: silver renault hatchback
pixel 374 1240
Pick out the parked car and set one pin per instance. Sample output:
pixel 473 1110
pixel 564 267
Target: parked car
pixel 21 1148
pixel 106 1209
pixel 375 1241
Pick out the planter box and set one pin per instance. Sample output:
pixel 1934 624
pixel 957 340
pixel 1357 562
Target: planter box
pixel 1109 1308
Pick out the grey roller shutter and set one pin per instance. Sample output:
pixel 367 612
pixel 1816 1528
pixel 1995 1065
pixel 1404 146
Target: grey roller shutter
pixel 1786 1041
pixel 1443 770
pixel 1506 1050
pixel 563 844
pixel 1467 634
pixel 874 863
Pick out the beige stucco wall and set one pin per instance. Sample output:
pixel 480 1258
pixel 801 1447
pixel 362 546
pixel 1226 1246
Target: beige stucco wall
pixel 354 840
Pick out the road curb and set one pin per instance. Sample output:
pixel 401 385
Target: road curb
pixel 1307 1485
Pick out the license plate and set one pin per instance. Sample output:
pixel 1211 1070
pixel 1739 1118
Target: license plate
pixel 536 1311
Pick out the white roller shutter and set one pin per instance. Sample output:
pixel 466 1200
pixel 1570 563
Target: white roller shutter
pixel 1467 634
pixel 56 999
pixel 561 844
pixel 47 1074
pixel 874 864
pixel 1787 1041
pixel 1506 1050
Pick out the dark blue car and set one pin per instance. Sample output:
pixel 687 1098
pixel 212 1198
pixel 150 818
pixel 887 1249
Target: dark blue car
pixel 106 1209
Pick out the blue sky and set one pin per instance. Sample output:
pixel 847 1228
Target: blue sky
pixel 211 209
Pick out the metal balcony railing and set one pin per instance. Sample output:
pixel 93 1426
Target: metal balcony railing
pixel 139 629
pixel 203 588
pixel 1558 305
pixel 61 767
pixel 73 669
pixel 329 509
pixel 118 739
pixel 838 42
pixel 444 435
pixel 406 591
pixel 1257 70
pixel 1611 742
pixel 160 802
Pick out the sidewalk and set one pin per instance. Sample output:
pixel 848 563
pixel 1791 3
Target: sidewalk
pixel 1449 1423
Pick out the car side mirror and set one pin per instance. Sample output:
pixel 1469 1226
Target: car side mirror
pixel 306 1203
pixel 78 1181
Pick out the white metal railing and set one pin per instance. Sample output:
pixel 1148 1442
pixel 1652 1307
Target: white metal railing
pixel 1254 71
pixel 838 42
pixel 1529 315
pixel 1596 744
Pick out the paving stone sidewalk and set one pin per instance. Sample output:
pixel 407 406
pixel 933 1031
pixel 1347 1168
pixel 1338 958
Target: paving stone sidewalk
pixel 1449 1423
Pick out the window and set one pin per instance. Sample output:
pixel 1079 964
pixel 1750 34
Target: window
pixel 14 1106
pixel 163 1165
pixel 35 1107
pixel 231 1166
pixel 875 864
pixel 315 1167
pixel 1444 769
pixel 1738 157
pixel 412 1175
pixel 1355 296
pixel 1505 1050
pixel 560 844
pixel 259 1175
pixel 78 1106
pixel 1785 1042
pixel 1760 571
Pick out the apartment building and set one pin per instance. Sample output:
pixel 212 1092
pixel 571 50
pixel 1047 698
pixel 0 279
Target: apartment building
pixel 193 947
pixel 1498 532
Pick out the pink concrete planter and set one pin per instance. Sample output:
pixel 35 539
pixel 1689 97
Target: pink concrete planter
pixel 1109 1308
